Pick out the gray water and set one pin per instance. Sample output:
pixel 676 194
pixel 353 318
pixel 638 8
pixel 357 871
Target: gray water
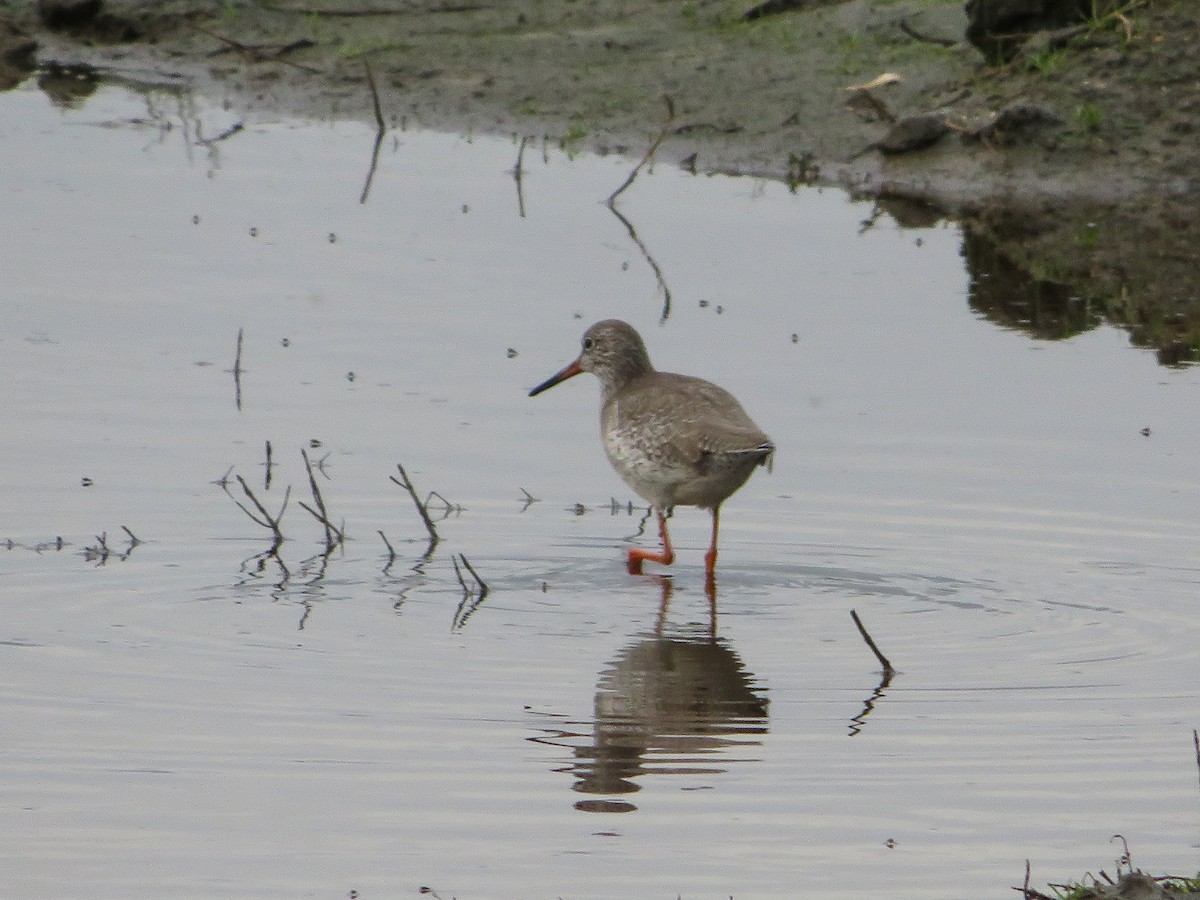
pixel 186 716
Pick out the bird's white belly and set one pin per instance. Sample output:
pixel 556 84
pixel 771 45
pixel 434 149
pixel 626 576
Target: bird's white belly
pixel 654 476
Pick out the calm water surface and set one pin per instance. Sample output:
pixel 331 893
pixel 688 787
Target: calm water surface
pixel 186 717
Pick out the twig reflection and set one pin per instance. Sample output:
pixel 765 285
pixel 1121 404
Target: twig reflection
pixel 380 130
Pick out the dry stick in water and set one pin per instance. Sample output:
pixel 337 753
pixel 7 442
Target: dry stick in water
pixel 333 535
pixel 518 174
pixel 883 660
pixel 380 130
pixel 391 550
pixel 483 588
pixel 405 483
pixel 237 372
pixel 1196 741
pixel 649 153
pixel 470 600
pixel 264 518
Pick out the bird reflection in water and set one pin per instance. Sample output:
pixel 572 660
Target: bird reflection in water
pixel 679 703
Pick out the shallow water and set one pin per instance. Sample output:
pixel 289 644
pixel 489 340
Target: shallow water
pixel 186 717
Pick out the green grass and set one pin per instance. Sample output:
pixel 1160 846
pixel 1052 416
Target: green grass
pixel 1089 115
pixel 1047 61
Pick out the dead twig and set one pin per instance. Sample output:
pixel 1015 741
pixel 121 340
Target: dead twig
pixel 380 131
pixel 391 551
pixel 268 465
pixel 379 123
pixel 518 173
pixel 255 54
pixel 334 536
pixel 654 145
pixel 473 596
pixel 262 517
pixel 528 499
pixel 407 484
pixel 447 506
pixel 888 670
pixel 1196 741
pixel 237 372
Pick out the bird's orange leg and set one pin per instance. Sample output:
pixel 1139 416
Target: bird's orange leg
pixel 666 556
pixel 710 558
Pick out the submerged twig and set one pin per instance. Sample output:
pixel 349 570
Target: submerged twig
pixel 654 145
pixel 407 484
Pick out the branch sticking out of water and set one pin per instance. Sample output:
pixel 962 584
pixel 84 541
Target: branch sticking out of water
pixel 380 125
pixel 518 173
pixel 380 131
pixel 391 551
pixel 334 536
pixel 654 145
pixel 100 551
pixel 269 465
pixel 888 671
pixel 237 372
pixel 407 484
pixel 472 595
pixel 261 517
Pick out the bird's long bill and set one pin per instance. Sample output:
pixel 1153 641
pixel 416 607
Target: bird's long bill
pixel 569 372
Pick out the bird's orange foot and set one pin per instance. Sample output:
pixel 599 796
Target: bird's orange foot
pixel 637 556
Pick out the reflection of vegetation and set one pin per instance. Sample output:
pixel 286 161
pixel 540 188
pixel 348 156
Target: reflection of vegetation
pixel 68 86
pixel 1056 273
pixel 1009 294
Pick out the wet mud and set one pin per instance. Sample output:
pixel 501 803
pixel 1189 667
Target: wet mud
pixel 1071 164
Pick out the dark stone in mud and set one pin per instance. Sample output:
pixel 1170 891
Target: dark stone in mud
pixel 68 15
pixel 999 27
pixel 87 18
pixel 1022 122
pixel 913 133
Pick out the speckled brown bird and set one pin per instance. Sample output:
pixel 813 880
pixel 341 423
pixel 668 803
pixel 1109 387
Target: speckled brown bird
pixel 674 439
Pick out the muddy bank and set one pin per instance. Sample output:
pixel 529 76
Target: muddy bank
pixel 1073 165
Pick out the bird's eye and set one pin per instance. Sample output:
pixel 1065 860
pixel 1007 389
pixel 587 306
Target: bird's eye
pixel 588 343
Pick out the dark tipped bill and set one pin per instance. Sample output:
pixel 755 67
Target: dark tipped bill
pixel 569 372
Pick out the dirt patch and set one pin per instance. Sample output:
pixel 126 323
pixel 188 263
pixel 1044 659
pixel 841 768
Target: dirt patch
pixel 1073 164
